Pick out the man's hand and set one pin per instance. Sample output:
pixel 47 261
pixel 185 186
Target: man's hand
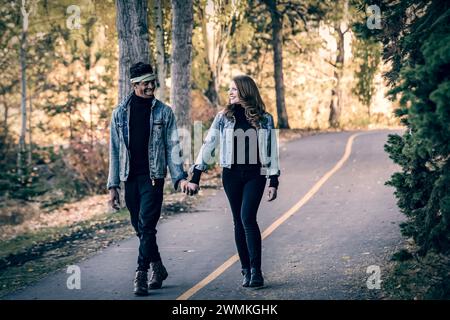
pixel 188 187
pixel 272 195
pixel 114 199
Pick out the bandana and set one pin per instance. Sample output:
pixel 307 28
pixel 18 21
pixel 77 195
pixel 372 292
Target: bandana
pixel 145 77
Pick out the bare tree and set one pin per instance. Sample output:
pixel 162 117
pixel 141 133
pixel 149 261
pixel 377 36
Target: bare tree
pixel 132 27
pixel 338 64
pixel 180 93
pixel 25 10
pixel 218 21
pixel 336 92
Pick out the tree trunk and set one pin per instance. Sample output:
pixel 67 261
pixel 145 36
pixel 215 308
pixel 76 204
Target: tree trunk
pixel 336 92
pixel 211 92
pixel 277 43
pixel 132 27
pixel 6 116
pixel 30 131
pixel 91 113
pixel 180 93
pixel 218 22
pixel 23 109
pixel 160 54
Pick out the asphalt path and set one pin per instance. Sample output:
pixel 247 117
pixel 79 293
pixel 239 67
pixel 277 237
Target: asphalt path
pixel 333 221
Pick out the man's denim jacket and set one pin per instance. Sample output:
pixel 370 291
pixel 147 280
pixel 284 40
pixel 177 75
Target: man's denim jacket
pixel 222 130
pixel 164 148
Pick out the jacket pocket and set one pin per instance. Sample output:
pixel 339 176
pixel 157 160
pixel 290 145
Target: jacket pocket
pixel 157 130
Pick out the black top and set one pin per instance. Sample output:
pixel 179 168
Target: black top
pixel 245 156
pixel 250 160
pixel 139 134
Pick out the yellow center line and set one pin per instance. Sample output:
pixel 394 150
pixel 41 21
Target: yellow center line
pixel 222 268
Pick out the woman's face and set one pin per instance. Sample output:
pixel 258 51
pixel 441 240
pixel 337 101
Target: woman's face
pixel 233 93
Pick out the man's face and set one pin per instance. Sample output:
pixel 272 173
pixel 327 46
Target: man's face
pixel 145 89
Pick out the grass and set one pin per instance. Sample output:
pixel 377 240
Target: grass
pixel 413 277
pixel 29 257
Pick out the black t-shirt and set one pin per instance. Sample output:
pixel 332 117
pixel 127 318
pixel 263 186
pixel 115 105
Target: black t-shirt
pixel 139 125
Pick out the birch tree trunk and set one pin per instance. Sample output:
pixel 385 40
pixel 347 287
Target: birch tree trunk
pixel 132 28
pixel 23 108
pixel 30 132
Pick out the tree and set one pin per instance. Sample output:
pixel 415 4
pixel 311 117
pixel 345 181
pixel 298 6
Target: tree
pixel 132 28
pixel 25 11
pixel 180 94
pixel 416 39
pixel 277 45
pixel 368 53
pixel 218 21
pixel 338 17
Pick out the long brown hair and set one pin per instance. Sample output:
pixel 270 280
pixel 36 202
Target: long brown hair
pixel 250 100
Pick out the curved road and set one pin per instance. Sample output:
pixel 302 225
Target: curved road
pixel 322 251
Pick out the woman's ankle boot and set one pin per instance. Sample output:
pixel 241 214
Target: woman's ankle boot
pixel 256 278
pixel 246 280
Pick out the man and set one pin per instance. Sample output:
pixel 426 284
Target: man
pixel 143 143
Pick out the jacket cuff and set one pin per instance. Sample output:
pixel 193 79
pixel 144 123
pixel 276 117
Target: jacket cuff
pixel 196 176
pixel 274 181
pixel 176 181
pixel 111 186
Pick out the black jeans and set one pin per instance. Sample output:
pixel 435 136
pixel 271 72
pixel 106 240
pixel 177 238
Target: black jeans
pixel 144 202
pixel 244 190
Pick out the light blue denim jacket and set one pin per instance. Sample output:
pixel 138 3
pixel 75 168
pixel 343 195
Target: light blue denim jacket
pixel 164 148
pixel 222 131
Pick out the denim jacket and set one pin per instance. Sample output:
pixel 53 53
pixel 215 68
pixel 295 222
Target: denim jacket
pixel 222 131
pixel 164 148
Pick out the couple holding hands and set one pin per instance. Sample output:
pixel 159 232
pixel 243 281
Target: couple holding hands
pixel 143 135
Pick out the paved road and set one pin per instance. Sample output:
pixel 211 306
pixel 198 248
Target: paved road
pixel 320 252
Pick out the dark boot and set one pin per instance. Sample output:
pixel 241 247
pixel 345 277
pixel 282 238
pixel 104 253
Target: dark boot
pixel 246 280
pixel 256 278
pixel 159 274
pixel 140 283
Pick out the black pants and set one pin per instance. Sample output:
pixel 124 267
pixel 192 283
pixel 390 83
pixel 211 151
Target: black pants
pixel 144 202
pixel 244 190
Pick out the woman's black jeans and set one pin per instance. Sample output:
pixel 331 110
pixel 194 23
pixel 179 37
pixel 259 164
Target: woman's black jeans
pixel 244 190
pixel 144 201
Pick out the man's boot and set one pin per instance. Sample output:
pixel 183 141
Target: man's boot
pixel 159 274
pixel 246 273
pixel 256 278
pixel 140 283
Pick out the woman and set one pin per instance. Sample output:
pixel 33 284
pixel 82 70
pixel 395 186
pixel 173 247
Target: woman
pixel 248 156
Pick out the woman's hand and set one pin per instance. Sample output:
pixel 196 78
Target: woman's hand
pixel 272 194
pixel 189 188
